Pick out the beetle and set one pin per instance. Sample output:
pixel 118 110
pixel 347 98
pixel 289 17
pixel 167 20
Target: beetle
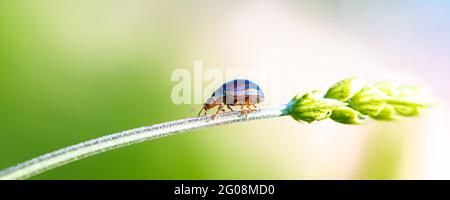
pixel 238 92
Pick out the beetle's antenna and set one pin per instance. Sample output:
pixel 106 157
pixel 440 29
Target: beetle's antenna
pixel 200 111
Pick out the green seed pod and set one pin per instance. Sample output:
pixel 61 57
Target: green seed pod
pixel 347 115
pixel 407 110
pixel 406 100
pixel 311 107
pixel 407 106
pixel 369 101
pixel 387 113
pixel 345 89
pixel 350 101
pixel 387 87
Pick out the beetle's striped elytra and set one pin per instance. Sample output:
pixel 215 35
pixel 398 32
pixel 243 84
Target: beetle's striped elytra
pixel 238 92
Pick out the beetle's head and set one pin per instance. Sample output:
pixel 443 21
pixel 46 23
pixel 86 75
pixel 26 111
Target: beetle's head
pixel 210 103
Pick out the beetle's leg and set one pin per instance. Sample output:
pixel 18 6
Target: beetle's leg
pixel 248 104
pixel 244 112
pixel 221 108
pixel 229 107
pixel 206 111
pixel 251 109
pixel 254 107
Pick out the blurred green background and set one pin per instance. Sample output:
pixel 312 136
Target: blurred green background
pixel 71 71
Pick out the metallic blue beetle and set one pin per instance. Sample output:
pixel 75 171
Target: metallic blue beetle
pixel 238 92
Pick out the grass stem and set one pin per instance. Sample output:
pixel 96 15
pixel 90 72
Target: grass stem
pixel 113 141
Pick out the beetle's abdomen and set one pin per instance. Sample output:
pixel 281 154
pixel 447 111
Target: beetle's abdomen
pixel 239 92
